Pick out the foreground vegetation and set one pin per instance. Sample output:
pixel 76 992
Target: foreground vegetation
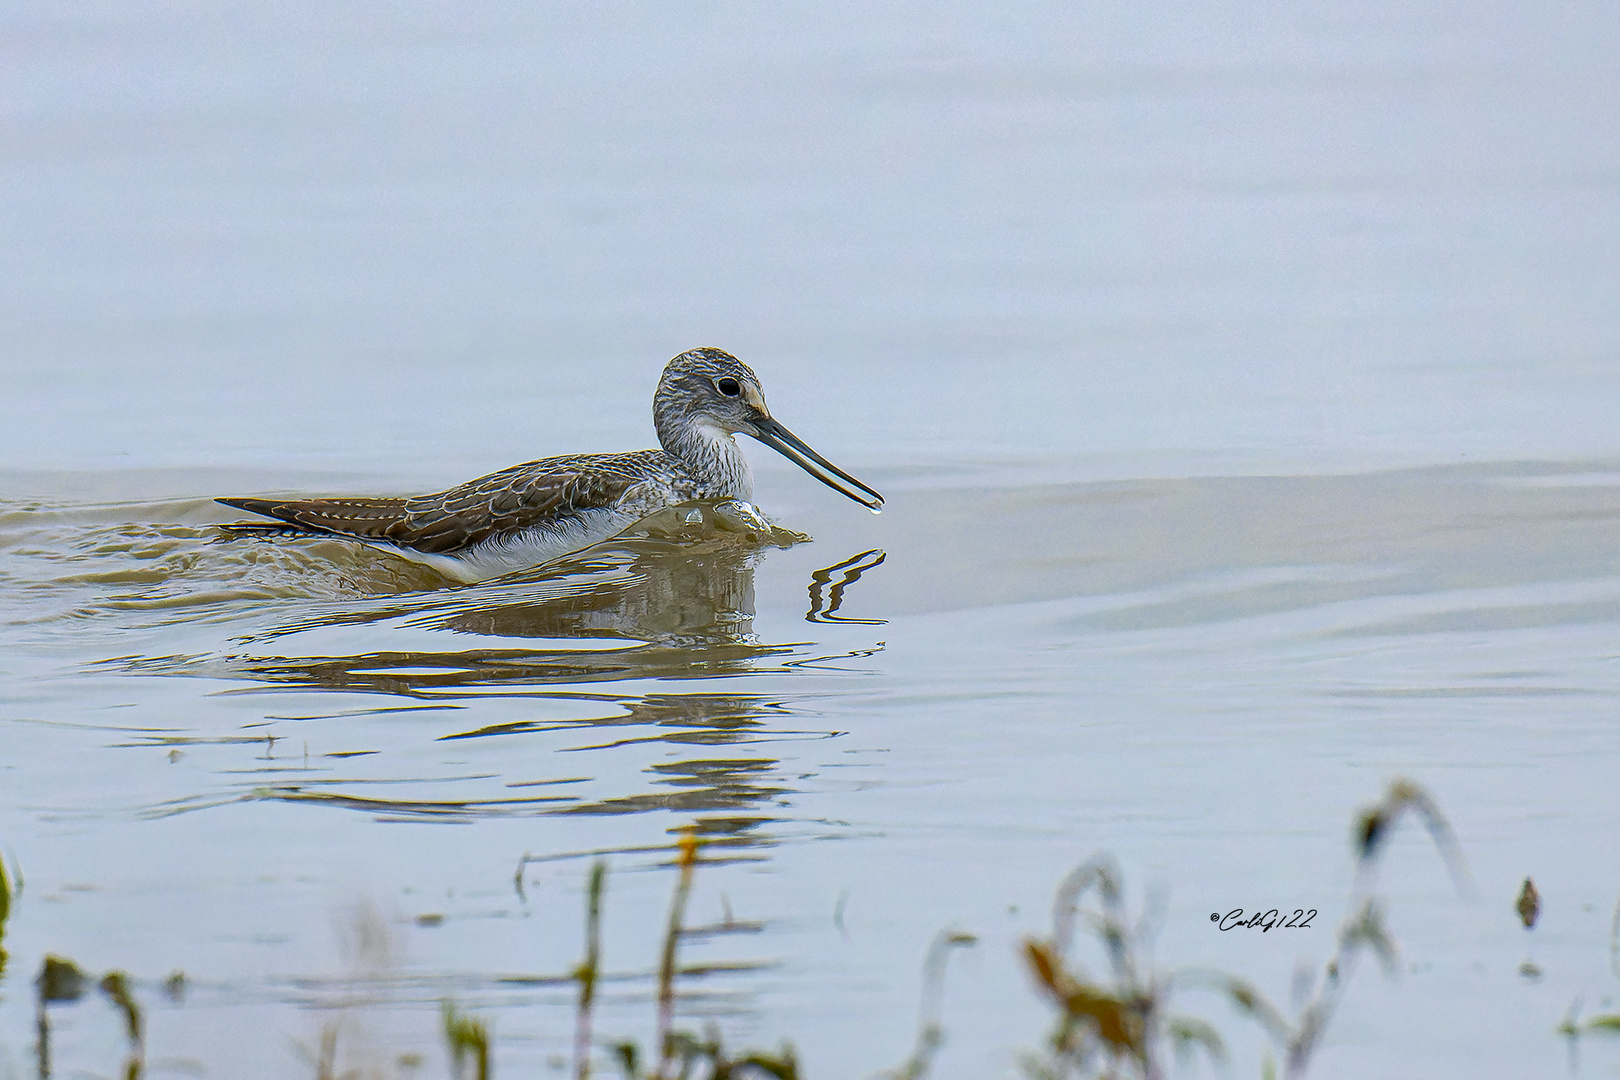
pixel 1124 1021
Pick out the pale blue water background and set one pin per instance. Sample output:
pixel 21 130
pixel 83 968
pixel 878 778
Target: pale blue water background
pixel 1242 379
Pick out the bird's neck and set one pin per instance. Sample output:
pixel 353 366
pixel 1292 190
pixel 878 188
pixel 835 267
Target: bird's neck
pixel 710 455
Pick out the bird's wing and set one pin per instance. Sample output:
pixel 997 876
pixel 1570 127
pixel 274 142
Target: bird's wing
pixel 359 517
pixel 490 507
pixel 504 503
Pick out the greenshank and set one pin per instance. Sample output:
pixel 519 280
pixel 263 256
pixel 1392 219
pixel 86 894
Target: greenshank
pixel 533 513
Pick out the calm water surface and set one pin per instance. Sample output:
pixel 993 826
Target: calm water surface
pixel 1242 384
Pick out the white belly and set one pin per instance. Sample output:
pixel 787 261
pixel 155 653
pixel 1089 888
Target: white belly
pixel 533 547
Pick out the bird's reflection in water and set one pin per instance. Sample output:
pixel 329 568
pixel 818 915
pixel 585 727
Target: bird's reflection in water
pixel 686 596
pixel 702 786
pixel 825 608
pixel 678 593
pixel 682 719
pixel 651 606
pixel 743 790
pixel 683 607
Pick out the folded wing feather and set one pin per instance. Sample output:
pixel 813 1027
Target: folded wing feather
pixel 489 508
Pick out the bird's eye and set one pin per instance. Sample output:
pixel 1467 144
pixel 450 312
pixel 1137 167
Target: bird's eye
pixel 728 387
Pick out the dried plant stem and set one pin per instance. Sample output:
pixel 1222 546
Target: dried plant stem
pixel 588 970
pixel 116 986
pixel 42 1044
pixel 666 968
pixel 467 1037
pixel 930 1030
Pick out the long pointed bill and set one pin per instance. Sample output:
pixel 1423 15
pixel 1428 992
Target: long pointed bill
pixel 790 446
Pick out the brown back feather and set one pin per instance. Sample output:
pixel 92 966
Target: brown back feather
pixel 490 507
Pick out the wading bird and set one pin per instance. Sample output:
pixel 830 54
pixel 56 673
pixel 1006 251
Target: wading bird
pixel 535 512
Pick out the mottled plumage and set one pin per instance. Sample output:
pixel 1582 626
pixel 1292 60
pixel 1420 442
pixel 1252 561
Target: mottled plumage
pixel 537 511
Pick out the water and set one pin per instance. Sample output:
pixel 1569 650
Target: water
pixel 1241 382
